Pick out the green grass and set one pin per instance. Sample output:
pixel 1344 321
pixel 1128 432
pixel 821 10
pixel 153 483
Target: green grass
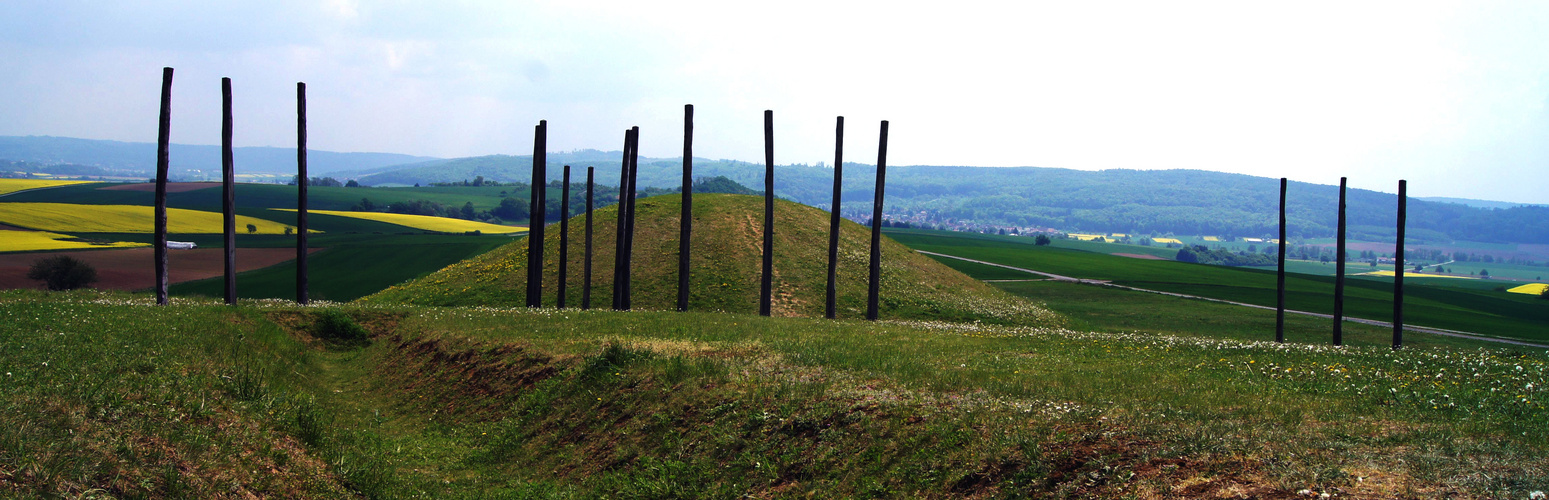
pixel 350 266
pixel 725 269
pixel 275 196
pixel 1485 312
pixel 196 400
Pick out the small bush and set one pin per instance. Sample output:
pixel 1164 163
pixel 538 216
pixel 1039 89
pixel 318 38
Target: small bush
pixel 1544 294
pixel 338 329
pixel 62 272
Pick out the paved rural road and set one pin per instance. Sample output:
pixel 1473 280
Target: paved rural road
pixel 1422 329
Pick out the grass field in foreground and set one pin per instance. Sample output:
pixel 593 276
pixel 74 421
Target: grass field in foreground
pixel 109 394
pixel 73 218
pixel 1487 312
pixel 34 241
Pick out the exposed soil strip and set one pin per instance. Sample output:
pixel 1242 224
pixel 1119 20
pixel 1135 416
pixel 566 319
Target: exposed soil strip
pixel 172 187
pixel 1139 256
pixel 131 269
pixel 1422 329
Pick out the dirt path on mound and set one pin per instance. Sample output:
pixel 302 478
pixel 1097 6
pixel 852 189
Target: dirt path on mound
pixel 134 269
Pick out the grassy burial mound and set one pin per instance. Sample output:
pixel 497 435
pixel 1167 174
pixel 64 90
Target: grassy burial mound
pixel 728 234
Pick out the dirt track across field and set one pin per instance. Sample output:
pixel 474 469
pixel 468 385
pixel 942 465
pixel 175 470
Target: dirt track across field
pixel 1140 256
pixel 134 268
pixel 172 187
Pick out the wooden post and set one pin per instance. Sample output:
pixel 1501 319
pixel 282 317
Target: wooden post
pixel 830 309
pixel 766 279
pixel 535 217
pixel 1280 273
pixel 228 193
pixel 586 272
pixel 1339 271
pixel 874 285
pixel 163 156
pixel 629 229
pixel 302 180
pixel 564 237
pixel 623 222
pixel 686 220
pixel 1398 267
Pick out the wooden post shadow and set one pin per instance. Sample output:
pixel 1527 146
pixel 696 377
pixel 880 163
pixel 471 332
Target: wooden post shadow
pixel 228 194
pixel 163 138
pixel 874 284
pixel 830 302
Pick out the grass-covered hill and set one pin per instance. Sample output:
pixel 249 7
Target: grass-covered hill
pixel 725 261
pixel 106 395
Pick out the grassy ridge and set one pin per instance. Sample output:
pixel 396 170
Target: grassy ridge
pixel 518 403
pixel 725 268
pixel 1486 312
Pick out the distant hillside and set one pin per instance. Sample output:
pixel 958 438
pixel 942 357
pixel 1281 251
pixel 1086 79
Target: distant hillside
pixel 1478 203
pixel 727 236
pixel 1184 202
pixel 141 156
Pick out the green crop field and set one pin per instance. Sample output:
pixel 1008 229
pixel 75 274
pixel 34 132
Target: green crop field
pixel 274 196
pixel 109 395
pixel 1486 312
pixel 350 267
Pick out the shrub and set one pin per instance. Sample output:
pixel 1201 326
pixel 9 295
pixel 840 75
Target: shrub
pixel 62 272
pixel 1041 240
pixel 1544 294
pixel 338 329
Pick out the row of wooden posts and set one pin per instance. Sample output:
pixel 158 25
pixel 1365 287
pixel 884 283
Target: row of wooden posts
pixel 623 256
pixel 624 239
pixel 1339 269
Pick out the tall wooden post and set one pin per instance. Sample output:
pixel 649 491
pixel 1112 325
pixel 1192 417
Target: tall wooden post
pixel 874 285
pixel 163 156
pixel 228 193
pixel 302 285
pixel 1280 273
pixel 686 220
pixel 1398 266
pixel 830 309
pixel 629 229
pixel 564 237
pixel 535 217
pixel 623 223
pixel 1339 271
pixel 766 279
pixel 586 266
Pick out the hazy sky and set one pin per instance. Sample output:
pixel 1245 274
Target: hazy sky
pixel 1448 95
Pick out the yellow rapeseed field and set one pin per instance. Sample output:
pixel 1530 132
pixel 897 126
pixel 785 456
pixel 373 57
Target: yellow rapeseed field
pixel 1088 237
pixel 74 218
pixel 35 241
pixel 424 222
pixel 1167 240
pixel 1412 274
pixel 13 185
pixel 1211 238
pixel 1530 288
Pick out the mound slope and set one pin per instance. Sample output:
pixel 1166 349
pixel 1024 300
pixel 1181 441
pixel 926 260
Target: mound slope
pixel 725 260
